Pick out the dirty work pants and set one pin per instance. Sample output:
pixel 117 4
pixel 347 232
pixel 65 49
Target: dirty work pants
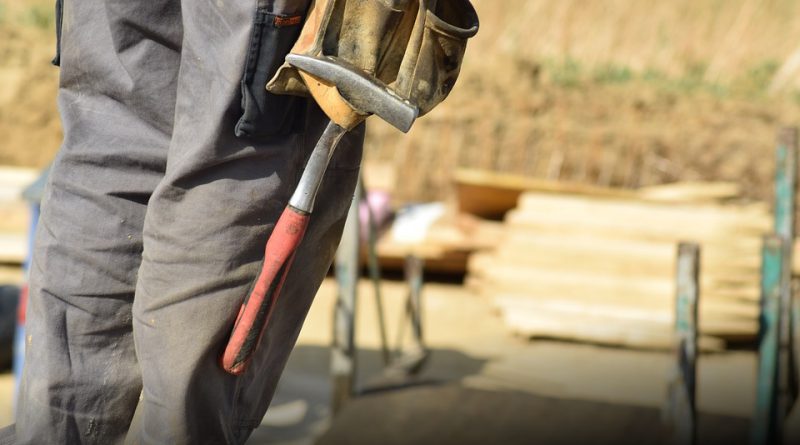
pixel 154 222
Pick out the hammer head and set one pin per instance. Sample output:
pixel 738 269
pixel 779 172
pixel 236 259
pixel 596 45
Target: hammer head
pixel 364 93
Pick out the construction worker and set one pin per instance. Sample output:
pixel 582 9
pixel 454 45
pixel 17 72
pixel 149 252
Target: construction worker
pixel 154 221
pixel 175 165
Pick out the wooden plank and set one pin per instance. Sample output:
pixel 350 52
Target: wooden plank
pixel 667 228
pixel 660 307
pixel 611 259
pixel 567 283
pixel 14 213
pixel 703 233
pixel 13 248
pixel 647 269
pixel 14 217
pixel 597 329
pixel 535 202
pixel 446 247
pixel 13 180
pixel 491 194
pixel 736 256
pixel 601 212
pixel 710 321
pixel 691 192
pixel 11 274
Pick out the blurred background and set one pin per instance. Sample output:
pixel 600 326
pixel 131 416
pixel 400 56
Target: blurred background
pixel 526 230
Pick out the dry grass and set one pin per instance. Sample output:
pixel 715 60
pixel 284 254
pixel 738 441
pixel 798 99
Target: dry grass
pixel 724 38
pixel 614 92
pixel 618 92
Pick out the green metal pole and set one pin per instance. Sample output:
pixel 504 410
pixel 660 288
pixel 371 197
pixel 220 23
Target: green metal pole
pixel 375 273
pixel 681 409
pixel 765 422
pixel 343 353
pixel 786 183
pixel 785 208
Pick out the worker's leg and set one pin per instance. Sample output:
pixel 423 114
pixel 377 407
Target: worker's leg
pixel 118 80
pixel 205 231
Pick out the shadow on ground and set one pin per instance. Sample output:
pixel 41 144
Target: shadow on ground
pixel 300 410
pixel 454 414
pixel 435 408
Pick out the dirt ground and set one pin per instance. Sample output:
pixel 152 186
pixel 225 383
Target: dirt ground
pixel 482 384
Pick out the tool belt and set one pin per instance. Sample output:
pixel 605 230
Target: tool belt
pixel 414 47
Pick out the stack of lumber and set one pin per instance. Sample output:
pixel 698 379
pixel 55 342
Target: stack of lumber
pixel 445 247
pixel 14 213
pixel 490 194
pixel 600 268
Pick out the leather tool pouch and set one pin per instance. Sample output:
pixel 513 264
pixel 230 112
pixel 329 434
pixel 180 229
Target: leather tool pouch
pixel 415 47
pixel 432 61
pixel 276 26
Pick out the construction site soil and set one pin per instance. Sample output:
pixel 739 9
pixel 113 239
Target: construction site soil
pixel 515 114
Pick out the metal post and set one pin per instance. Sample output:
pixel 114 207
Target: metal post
pixel 414 271
pixel 786 183
pixel 766 423
pixel 412 361
pixel 343 353
pixel 785 208
pixel 681 409
pixel 375 273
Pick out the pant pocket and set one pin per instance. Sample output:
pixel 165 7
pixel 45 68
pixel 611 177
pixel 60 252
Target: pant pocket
pixel 265 114
pixel 59 20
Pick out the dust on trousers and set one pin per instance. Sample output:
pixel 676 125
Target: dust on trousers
pixel 175 165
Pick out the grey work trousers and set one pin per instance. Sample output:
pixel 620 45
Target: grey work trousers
pixel 155 218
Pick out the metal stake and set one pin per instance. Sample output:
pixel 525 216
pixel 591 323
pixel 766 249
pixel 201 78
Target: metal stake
pixel 343 351
pixel 767 422
pixel 681 413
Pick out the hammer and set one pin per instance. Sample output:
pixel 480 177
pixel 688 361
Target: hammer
pixel 348 96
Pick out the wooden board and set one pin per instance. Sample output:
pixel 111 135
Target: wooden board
pixel 653 309
pixel 14 213
pixel 13 180
pixel 596 329
pixel 491 194
pixel 696 192
pixel 446 247
pixel 567 283
pixel 13 248
pixel 601 268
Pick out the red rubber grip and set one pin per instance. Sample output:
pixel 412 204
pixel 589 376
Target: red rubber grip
pixel 257 308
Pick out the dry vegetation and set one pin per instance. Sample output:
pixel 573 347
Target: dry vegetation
pixel 30 131
pixel 618 92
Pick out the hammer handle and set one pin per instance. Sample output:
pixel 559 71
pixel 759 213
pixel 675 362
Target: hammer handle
pixel 257 308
